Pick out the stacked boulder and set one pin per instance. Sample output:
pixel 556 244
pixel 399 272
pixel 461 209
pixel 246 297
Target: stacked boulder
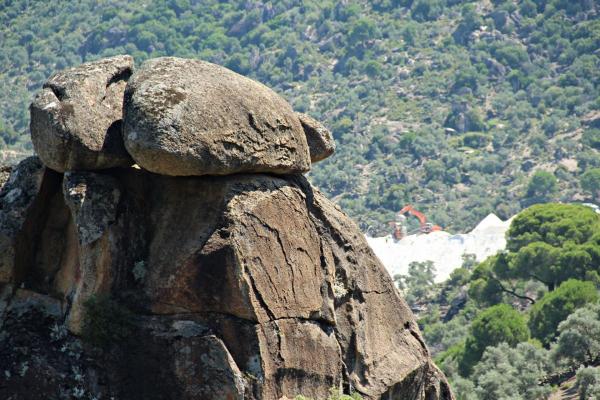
pixel 176 190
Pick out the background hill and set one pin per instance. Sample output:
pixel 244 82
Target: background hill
pixel 461 108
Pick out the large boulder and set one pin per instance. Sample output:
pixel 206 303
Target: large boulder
pixel 76 119
pixel 241 287
pixel 190 117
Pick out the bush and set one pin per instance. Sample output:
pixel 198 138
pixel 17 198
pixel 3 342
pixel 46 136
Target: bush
pixel 591 137
pixel 106 321
pixel 335 394
pixel 590 181
pixel 476 140
pixel 509 373
pixel 542 185
pixel 555 306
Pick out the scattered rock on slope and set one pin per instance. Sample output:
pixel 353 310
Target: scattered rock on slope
pixel 191 117
pixel 76 118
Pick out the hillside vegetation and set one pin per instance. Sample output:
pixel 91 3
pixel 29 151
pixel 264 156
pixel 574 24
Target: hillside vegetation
pixel 525 323
pixel 460 108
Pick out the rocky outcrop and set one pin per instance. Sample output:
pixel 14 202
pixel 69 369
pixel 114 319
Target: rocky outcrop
pixel 320 141
pixel 191 117
pixel 128 284
pixel 22 200
pixel 76 118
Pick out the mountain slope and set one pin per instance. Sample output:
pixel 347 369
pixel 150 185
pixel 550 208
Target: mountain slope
pixel 452 106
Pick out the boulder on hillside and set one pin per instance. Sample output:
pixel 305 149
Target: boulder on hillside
pixel 320 141
pixel 76 119
pixel 190 117
pixel 241 287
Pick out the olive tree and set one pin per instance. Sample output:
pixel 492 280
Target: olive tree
pixel 579 337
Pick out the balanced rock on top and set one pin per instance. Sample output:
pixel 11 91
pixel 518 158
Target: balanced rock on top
pixel 320 141
pixel 190 117
pixel 76 118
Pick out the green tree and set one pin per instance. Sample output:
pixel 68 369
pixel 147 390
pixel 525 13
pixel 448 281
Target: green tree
pixel 550 243
pixel 555 306
pixel 362 30
pixel 491 280
pixel 554 224
pixel 426 10
pixel 506 372
pixel 588 383
pixel 590 181
pixel 542 185
pixel 578 340
pixel 498 324
pixel 591 137
pixel 418 282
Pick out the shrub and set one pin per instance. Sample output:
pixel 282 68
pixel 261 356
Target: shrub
pixel 591 137
pixel 590 181
pixel 106 321
pixel 506 372
pixel 334 394
pixel 542 185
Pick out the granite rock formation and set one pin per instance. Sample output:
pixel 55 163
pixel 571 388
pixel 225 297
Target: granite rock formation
pixel 320 141
pixel 76 118
pixel 127 284
pixel 190 117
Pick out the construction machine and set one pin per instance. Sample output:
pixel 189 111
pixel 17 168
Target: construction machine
pixel 400 229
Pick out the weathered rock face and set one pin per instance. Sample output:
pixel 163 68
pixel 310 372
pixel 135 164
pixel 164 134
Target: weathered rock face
pixel 21 205
pixel 242 287
pixel 76 118
pixel 190 117
pixel 320 141
pixel 225 283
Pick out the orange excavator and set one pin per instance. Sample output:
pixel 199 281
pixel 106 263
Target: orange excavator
pixel 400 230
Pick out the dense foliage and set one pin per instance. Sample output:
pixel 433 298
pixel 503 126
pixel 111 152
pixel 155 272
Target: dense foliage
pixel 499 333
pixel 460 107
pixel 588 383
pixel 546 243
pixel 554 307
pixel 498 324
pixel 579 337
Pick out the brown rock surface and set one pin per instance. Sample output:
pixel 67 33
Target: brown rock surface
pixel 22 199
pixel 320 141
pixel 241 287
pixel 190 117
pixel 76 118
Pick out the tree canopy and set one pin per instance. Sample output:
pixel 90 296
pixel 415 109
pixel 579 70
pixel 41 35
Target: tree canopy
pixel 554 307
pixel 495 325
